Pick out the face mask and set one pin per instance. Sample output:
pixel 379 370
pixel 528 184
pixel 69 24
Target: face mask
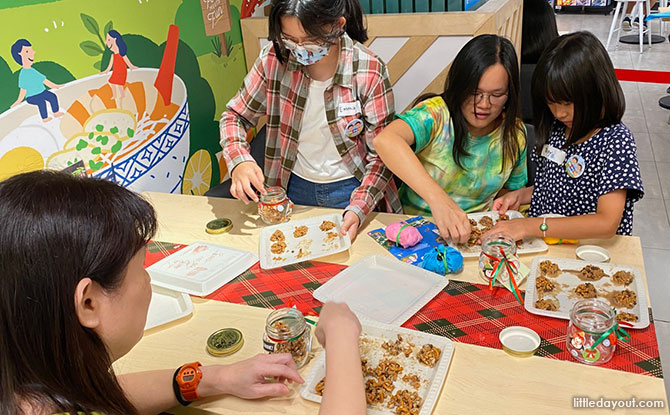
pixel 307 57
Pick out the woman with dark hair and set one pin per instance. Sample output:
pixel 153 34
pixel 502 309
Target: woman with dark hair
pixel 326 97
pixel 587 159
pixel 538 30
pixel 117 64
pixel 456 151
pixel 74 297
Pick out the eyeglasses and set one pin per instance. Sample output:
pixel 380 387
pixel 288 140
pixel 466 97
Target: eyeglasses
pixel 312 47
pixel 494 99
pixel 309 46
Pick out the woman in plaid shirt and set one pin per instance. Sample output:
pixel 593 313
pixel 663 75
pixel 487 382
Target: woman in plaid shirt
pixel 326 97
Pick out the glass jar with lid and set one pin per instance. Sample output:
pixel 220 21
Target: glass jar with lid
pixel 592 337
pixel 495 248
pixel 286 331
pixel 274 206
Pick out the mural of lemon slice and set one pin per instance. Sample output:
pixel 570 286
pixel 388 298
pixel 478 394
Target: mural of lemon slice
pixel 198 174
pixel 20 160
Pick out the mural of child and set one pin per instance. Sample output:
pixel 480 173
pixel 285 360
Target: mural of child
pixel 32 82
pixel 117 64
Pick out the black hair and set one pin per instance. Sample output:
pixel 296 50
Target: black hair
pixel 56 230
pixel 575 68
pixel 538 30
pixel 479 54
pixel 318 18
pixel 16 49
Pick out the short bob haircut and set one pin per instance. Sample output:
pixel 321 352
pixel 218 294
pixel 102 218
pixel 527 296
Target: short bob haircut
pixel 17 47
pixel 575 68
pixel 56 230
pixel 539 29
pixel 318 18
pixel 479 54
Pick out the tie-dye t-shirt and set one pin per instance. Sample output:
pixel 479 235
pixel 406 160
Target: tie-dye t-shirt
pixel 472 188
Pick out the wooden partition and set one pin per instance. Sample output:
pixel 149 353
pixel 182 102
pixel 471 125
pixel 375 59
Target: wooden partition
pixel 418 47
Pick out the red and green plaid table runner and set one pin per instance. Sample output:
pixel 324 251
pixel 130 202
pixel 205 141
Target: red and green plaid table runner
pixel 463 312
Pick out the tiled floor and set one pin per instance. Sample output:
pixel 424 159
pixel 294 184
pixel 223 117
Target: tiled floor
pixel 648 122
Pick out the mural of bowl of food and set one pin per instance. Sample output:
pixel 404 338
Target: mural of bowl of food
pixel 135 134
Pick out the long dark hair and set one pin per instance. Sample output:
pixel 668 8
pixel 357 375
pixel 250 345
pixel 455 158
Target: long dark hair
pixel 575 68
pixel 123 48
pixel 539 29
pixel 470 63
pixel 56 230
pixel 318 18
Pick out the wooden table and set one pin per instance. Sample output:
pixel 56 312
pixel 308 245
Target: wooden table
pixel 480 380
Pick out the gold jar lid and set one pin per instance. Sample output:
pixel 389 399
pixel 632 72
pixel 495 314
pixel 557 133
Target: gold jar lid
pixel 217 226
pixel 225 342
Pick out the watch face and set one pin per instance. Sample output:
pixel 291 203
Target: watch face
pixel 188 378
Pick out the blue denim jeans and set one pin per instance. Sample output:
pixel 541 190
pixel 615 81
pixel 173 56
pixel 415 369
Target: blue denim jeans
pixel 334 195
pixel 41 100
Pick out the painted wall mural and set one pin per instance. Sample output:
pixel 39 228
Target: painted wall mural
pixel 131 89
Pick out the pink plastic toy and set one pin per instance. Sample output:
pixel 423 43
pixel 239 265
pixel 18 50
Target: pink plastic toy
pixel 409 235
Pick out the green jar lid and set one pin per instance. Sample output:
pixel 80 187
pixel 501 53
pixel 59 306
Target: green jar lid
pixel 221 225
pixel 225 342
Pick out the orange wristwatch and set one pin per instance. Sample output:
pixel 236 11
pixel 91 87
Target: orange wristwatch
pixel 186 380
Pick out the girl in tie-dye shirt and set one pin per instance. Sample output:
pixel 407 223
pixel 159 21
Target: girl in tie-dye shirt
pixel 456 151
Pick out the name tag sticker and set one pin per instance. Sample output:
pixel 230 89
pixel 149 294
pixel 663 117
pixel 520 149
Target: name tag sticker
pixel 554 154
pixel 349 108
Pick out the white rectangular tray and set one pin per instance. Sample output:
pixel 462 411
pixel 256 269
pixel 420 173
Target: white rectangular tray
pixel 313 245
pixel 568 282
pixel 382 288
pixel 528 246
pixel 166 306
pixel 434 376
pixel 200 268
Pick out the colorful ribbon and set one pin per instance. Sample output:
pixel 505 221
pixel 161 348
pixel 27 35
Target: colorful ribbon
pixel 504 263
pixel 620 333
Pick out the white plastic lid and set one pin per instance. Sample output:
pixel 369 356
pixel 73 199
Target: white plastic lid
pixel 592 253
pixel 519 341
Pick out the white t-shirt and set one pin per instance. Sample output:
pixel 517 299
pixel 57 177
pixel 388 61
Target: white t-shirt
pixel 318 159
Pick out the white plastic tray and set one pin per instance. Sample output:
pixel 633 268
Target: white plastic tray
pixel 383 289
pixel 568 282
pixel 435 376
pixel 166 306
pixel 528 246
pixel 200 268
pixel 314 244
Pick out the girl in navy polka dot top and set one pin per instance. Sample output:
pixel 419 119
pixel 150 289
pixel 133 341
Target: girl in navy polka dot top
pixel 587 168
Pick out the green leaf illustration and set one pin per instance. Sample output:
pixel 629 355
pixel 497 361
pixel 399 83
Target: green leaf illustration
pixel 99 127
pixel 82 144
pixel 98 65
pixel 114 130
pixel 90 135
pixel 131 132
pixel 90 24
pixel 116 147
pixel 96 150
pixel 95 166
pixel 109 26
pixel 91 48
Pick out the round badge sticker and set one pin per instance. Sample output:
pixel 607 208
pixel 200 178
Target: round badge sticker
pixel 354 128
pixel 575 166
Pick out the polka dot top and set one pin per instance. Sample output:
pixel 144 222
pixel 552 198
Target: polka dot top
pixel 610 163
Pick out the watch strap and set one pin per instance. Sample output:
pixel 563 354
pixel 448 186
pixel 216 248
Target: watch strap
pixel 177 389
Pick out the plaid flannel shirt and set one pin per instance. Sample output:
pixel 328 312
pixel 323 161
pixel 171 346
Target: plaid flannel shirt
pixel 280 92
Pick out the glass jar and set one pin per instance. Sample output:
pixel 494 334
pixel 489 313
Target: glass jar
pixel 286 331
pixel 494 248
pixel 274 206
pixel 590 320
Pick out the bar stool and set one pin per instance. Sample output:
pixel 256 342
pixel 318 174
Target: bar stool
pixel 638 12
